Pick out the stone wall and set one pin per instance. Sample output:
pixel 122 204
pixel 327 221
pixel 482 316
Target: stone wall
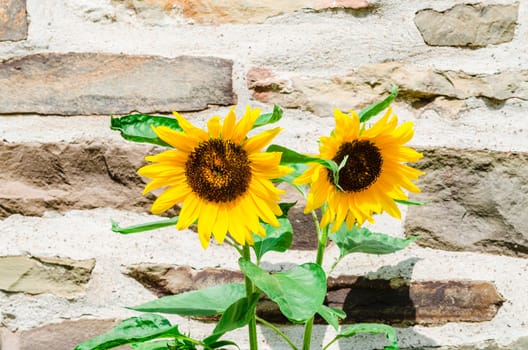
pixel 66 65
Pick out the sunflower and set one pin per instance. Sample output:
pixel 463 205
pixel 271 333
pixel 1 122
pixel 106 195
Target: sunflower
pixel 220 176
pixel 373 175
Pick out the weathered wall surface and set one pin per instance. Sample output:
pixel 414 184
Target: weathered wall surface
pixel 66 65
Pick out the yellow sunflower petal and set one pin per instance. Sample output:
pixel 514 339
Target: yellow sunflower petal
pixel 229 124
pixel 176 139
pixel 190 129
pixel 169 198
pixel 245 124
pixel 258 142
pixel 190 211
pixel 214 127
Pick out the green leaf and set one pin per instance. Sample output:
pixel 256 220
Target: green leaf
pixel 132 330
pixel 373 328
pixel 362 240
pixel 408 202
pixel 277 239
pixel 291 157
pixel 138 127
pixel 269 118
pixel 299 292
pixel 203 302
pixel 331 315
pixel 144 227
pixel 375 108
pixel 237 314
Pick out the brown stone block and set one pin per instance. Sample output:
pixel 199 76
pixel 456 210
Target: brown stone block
pixel 468 24
pixel 476 201
pixel 400 302
pixel 64 176
pixel 95 83
pixel 34 275
pixel 13 20
pixel 394 301
pixel 65 335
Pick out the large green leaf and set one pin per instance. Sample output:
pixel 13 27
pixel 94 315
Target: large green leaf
pixel 362 240
pixel 144 227
pixel 331 315
pixel 375 108
pixel 299 292
pixel 237 314
pixel 269 118
pixel 203 302
pixel 138 127
pixel 277 239
pixel 132 330
pixel 373 328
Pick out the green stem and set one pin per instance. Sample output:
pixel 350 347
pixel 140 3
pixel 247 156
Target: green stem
pixel 278 331
pixel 252 326
pixel 322 235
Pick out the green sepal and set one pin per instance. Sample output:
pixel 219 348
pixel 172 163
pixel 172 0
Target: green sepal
pixel 132 330
pixel 148 226
pixel 138 127
pixel 204 302
pixel 374 109
pixel 286 206
pixel 362 240
pixel 299 292
pixel 372 328
pixel 237 314
pixel 269 118
pixel 331 315
pixel 277 239
pixel 408 202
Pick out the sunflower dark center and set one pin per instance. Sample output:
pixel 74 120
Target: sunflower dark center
pixel 218 171
pixel 362 167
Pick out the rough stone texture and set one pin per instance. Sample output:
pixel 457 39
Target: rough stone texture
pixel 95 83
pixel 64 176
pixel 63 336
pixel 168 279
pixel 444 90
pixel 476 200
pixel 37 275
pixel 13 20
pixel 394 301
pixel 228 11
pixel 401 302
pixel 468 25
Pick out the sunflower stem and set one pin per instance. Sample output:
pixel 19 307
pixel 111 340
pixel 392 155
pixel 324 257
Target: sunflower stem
pixel 250 289
pixel 322 234
pixel 278 331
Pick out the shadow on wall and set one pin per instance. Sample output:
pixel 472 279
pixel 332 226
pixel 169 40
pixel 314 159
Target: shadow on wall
pixel 383 296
